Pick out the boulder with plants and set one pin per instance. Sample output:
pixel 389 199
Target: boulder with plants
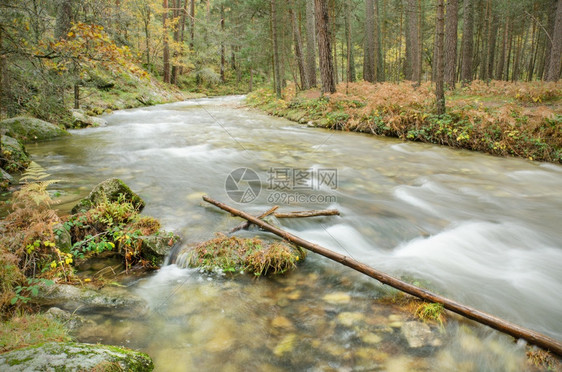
pixel 30 129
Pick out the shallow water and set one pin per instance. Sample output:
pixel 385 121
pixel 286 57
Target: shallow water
pixel 482 230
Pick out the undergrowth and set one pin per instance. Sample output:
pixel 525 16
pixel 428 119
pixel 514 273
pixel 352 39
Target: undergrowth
pixel 28 329
pixel 499 118
pixel 232 254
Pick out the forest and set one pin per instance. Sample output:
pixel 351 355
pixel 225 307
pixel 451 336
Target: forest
pixel 476 75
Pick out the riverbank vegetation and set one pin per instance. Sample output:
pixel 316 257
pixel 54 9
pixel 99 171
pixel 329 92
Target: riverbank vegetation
pixel 506 119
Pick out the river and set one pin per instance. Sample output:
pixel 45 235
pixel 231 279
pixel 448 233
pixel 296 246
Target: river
pixel 482 230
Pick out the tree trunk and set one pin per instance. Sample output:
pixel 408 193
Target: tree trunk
pixel 166 56
pixel 413 68
pixel 451 26
pixel 324 48
pixel 182 33
pixel 467 42
pixel 378 45
pixel 64 18
pixel 310 44
pixel 175 12
pixel 223 49
pixel 549 33
pixel 492 47
pixel 333 40
pixel 532 54
pixel 251 83
pixel 369 47
pixel 484 31
pixel 499 70
pixel 298 48
pixel 439 91
pixel 553 73
pixel 350 60
pixel 2 82
pixel 276 62
pixel 192 23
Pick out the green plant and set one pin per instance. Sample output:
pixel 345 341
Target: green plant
pixel 433 312
pixel 23 292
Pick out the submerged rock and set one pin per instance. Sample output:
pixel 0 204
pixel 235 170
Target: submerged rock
pixel 109 190
pixel 419 334
pixel 71 356
pixel 30 129
pixel 155 247
pixel 71 321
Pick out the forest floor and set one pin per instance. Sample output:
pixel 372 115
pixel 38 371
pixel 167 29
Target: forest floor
pixel 522 119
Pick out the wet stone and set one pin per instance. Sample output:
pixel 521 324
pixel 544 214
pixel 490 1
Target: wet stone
pixel 348 318
pixel 419 335
pixel 337 298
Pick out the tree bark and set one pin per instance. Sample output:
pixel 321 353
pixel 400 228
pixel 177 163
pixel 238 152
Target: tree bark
pixel 378 45
pixel 451 36
pixel 302 214
pixel 467 42
pixel 492 47
pixel 223 49
pixel 64 18
pixel 324 48
pixel 276 62
pixel 501 62
pixel 175 12
pixel 350 60
pixel 310 44
pixel 413 68
pixel 439 91
pixel 501 325
pixel 369 47
pixel 298 48
pixel 549 32
pixel 556 53
pixel 192 23
pixel 166 52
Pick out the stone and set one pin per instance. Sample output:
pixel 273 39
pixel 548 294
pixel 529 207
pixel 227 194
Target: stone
pixel 30 129
pixel 281 322
pixel 156 247
pixel 109 189
pixel 14 153
pixel 5 178
pixel 71 356
pixel 337 298
pixel 418 334
pixel 286 345
pixel 81 120
pixel 71 321
pixel 348 318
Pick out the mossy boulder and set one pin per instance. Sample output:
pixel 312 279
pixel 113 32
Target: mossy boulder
pixel 109 190
pixel 156 247
pixel 30 129
pixel 71 356
pixel 14 154
pixel 81 120
pixel 5 179
pixel 233 254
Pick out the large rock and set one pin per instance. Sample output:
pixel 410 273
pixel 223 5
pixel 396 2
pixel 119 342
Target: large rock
pixel 71 356
pixel 5 179
pixel 81 120
pixel 71 321
pixel 15 155
pixel 30 129
pixel 110 189
pixel 71 297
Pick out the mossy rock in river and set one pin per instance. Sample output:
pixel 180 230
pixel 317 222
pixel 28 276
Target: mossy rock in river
pixel 233 254
pixel 30 129
pixel 71 356
pixel 109 190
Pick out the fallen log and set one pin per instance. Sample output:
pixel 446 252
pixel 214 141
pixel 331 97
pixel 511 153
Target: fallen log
pixel 245 225
pixel 501 325
pixel 301 214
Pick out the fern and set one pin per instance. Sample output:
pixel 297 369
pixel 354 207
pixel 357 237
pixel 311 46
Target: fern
pixel 34 173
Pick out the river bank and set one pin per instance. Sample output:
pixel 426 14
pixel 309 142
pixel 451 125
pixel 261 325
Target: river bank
pixel 499 118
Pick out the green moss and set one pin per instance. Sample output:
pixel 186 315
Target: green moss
pixel 21 331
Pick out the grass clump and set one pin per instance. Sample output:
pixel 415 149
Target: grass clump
pixel 540 359
pixel 25 330
pixel 253 255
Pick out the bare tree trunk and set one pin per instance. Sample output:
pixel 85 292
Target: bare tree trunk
pixel 484 30
pixel 556 53
pixel 492 47
pixel 175 12
pixel 532 54
pixel 276 62
pixel 324 48
pixel 439 91
pixel 549 33
pixel 467 42
pixel 369 47
pixel 333 40
pixel 509 50
pixel 223 49
pixel 192 23
pixel 64 18
pixel 298 48
pixel 413 68
pixel 499 70
pixel 166 57
pixel 2 81
pixel 350 61
pixel 310 44
pixel 451 36
pixel 182 33
pixel 378 45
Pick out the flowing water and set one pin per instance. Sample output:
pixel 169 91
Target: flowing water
pixel 482 230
